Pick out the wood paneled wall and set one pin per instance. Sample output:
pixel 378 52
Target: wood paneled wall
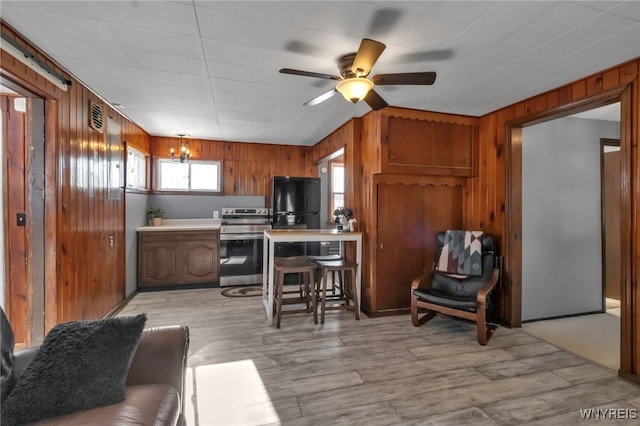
pixel 347 137
pixel 248 167
pixel 84 275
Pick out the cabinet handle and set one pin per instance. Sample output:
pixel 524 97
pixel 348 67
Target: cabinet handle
pixel 381 246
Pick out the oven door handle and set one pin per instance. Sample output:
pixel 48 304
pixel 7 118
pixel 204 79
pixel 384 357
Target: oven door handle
pixel 236 237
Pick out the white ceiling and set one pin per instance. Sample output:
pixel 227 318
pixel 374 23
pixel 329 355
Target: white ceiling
pixel 210 68
pixel 608 113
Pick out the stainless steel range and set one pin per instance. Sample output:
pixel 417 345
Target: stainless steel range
pixel 241 237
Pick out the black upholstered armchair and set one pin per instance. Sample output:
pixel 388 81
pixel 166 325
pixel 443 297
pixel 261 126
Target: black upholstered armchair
pixel 470 297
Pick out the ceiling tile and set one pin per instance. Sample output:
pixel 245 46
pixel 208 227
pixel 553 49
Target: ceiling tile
pixel 464 13
pixel 603 25
pixel 347 21
pixel 219 25
pixel 627 9
pixel 509 16
pixel 190 80
pixel 561 18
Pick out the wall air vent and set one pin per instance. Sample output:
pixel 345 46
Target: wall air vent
pixel 96 117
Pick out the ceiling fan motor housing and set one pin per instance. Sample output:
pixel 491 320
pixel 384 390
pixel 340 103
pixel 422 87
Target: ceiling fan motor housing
pixel 345 62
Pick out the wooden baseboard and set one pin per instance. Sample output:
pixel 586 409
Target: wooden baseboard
pixel 120 306
pixel 633 378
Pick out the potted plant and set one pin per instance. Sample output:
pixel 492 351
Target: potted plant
pixel 341 217
pixel 156 216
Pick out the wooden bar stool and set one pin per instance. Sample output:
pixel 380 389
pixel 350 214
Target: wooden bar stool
pixel 349 292
pixel 305 292
pixel 324 257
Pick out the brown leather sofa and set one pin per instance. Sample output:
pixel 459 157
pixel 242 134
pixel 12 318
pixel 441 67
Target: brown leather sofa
pixel 154 388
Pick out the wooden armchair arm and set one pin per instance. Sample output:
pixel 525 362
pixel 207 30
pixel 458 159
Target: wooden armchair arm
pixel 424 280
pixel 488 287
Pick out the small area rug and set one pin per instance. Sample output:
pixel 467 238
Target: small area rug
pixel 242 291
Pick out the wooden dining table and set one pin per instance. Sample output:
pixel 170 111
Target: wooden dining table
pixel 273 236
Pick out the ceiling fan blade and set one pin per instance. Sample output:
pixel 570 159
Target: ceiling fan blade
pixel 425 55
pixel 375 101
pixel 368 53
pixel 407 78
pixel 326 95
pixel 383 21
pixel 309 74
pixel 298 46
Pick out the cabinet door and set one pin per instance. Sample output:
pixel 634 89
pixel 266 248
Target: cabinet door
pixel 409 217
pixel 428 147
pixel 410 142
pixel 201 261
pixel 452 145
pixel 158 263
pixel 400 246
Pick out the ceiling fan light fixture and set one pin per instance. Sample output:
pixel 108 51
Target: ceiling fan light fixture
pixel 354 89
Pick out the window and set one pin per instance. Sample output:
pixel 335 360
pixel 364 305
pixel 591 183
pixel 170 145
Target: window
pixel 136 169
pixel 336 189
pixel 194 176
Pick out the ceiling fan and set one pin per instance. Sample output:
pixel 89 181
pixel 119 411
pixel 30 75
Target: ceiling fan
pixel 353 82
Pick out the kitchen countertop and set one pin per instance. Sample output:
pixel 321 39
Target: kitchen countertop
pixel 183 225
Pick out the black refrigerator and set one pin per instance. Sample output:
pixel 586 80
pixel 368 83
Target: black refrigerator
pixel 296 205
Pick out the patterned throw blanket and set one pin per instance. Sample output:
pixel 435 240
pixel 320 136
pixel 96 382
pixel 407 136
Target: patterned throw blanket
pixel 461 254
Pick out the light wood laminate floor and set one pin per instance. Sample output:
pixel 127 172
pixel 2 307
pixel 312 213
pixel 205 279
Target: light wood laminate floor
pixel 376 371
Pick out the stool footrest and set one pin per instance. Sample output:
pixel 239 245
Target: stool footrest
pixel 348 292
pixel 305 289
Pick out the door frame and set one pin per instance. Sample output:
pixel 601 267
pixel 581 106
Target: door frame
pixel 41 194
pixel 604 142
pixel 513 225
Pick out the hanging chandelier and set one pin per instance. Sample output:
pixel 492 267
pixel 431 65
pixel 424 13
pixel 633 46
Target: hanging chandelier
pixel 184 154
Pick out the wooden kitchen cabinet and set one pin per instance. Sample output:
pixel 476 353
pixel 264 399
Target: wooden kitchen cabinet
pixel 201 261
pixel 173 258
pixel 410 212
pixel 429 144
pixel 408 176
pixel 158 263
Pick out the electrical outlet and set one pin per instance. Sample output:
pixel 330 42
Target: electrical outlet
pixel 215 214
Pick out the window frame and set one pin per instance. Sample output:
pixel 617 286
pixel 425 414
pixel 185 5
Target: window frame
pixel 137 152
pixel 156 180
pixel 332 207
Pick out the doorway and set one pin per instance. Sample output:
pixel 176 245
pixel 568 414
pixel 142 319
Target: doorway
pixel 573 330
pixel 562 214
pixel 22 176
